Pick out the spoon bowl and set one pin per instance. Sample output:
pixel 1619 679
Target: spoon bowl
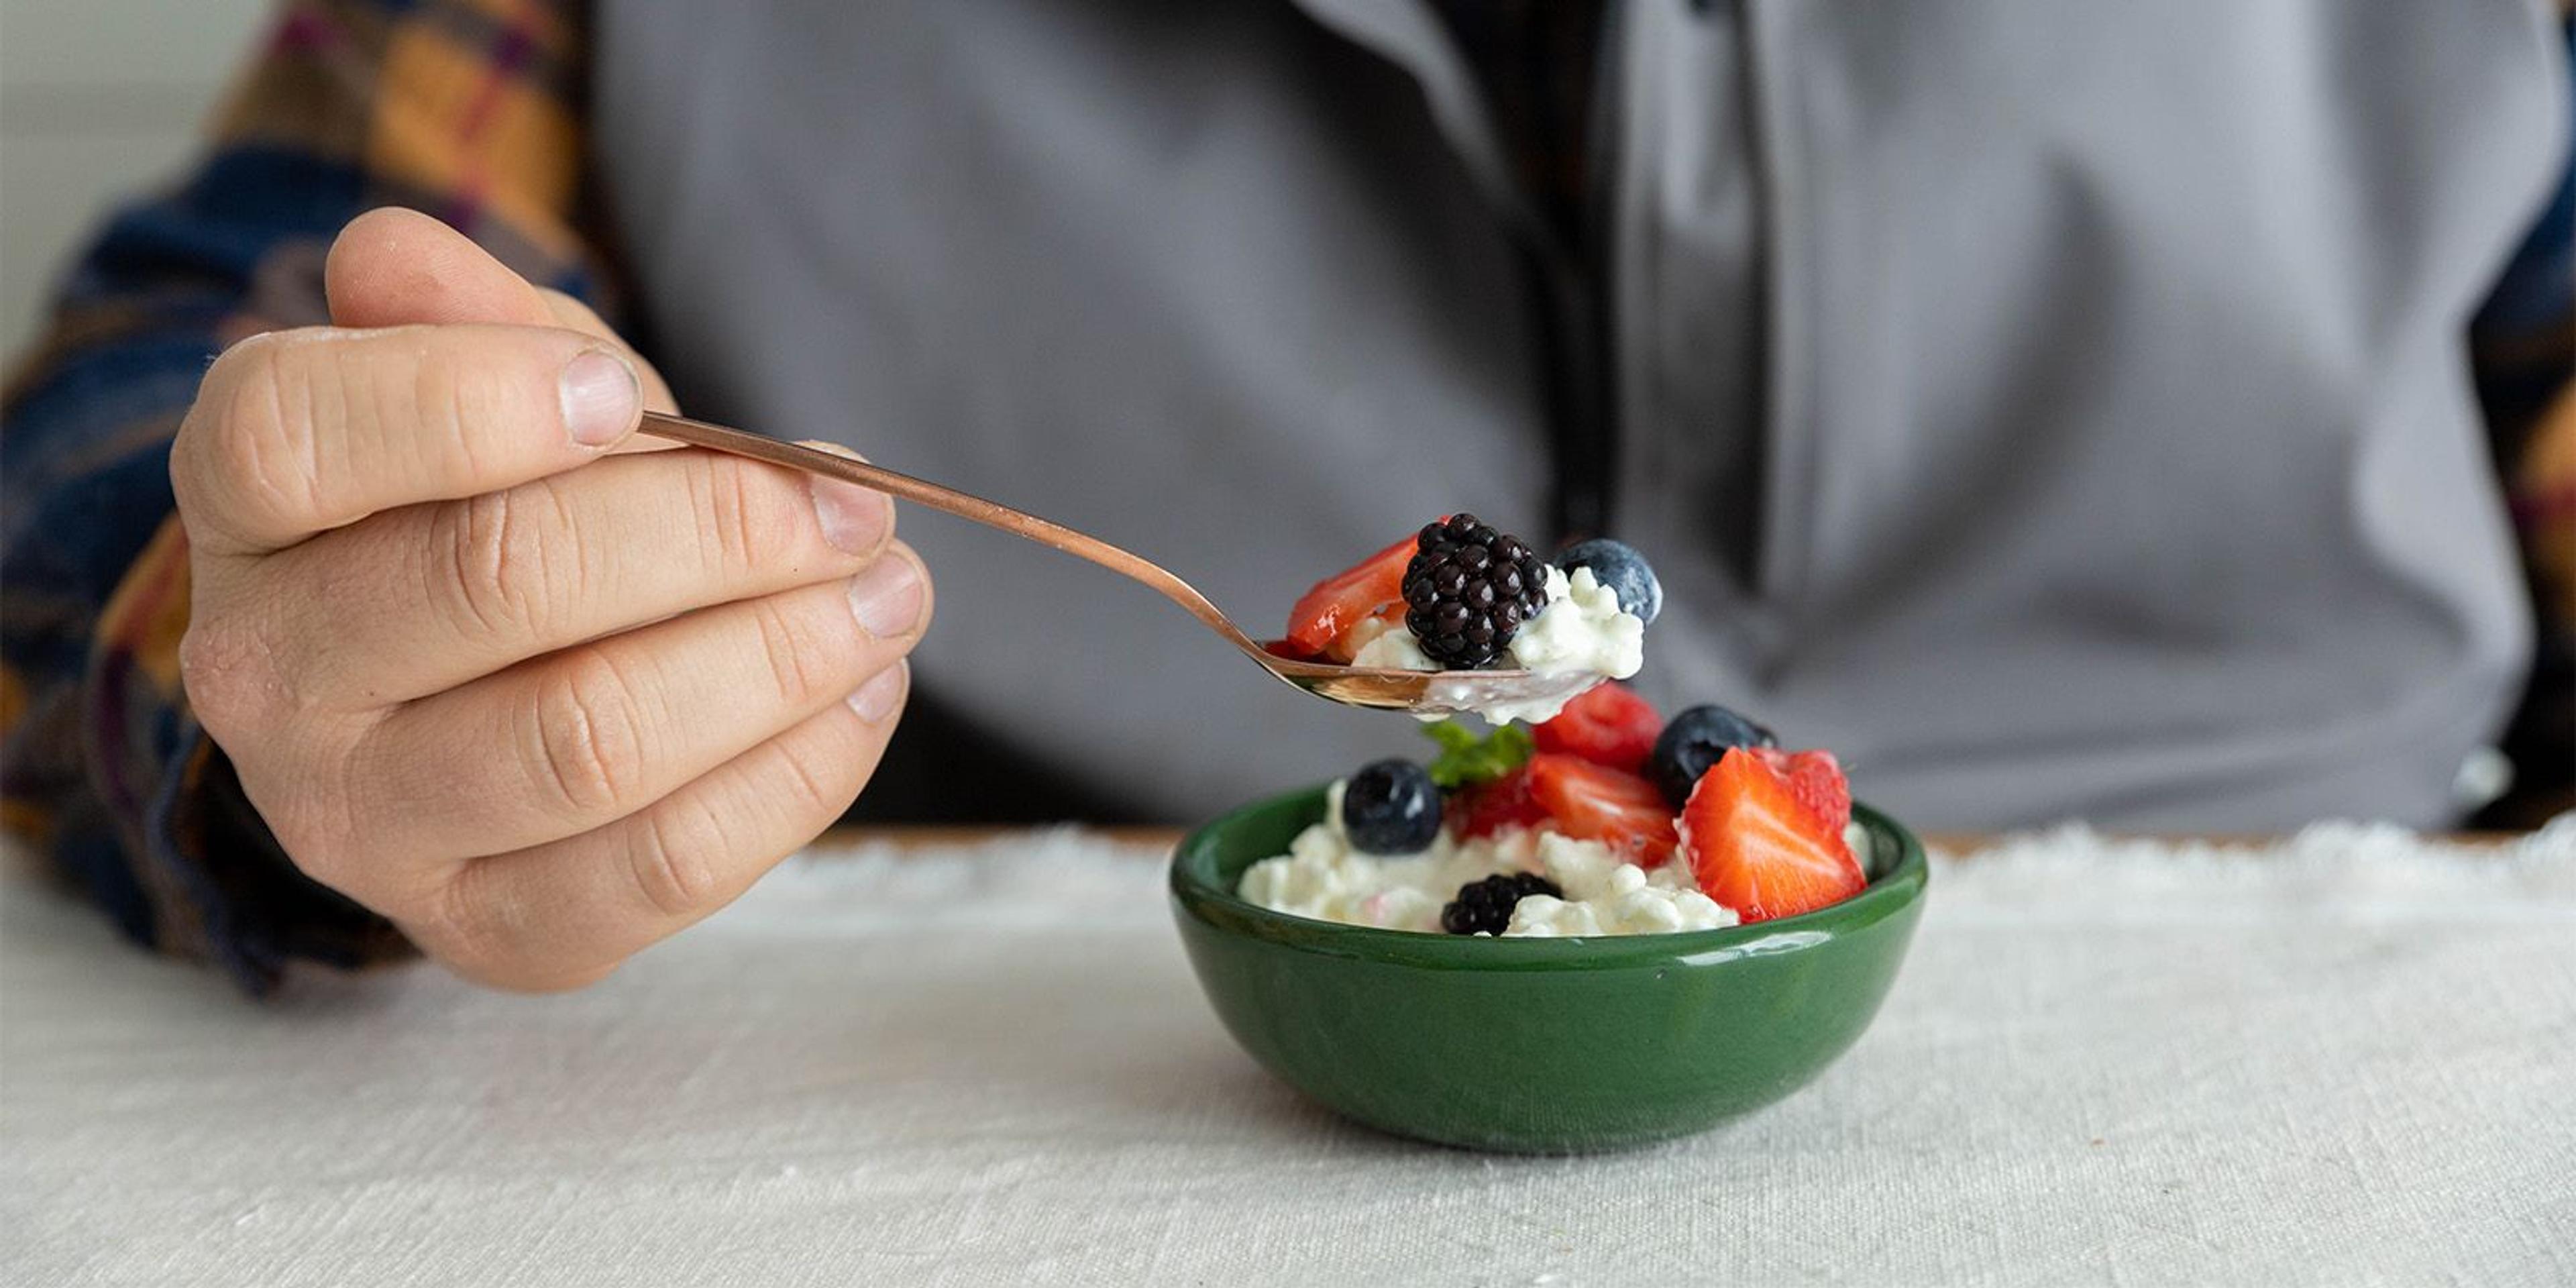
pixel 1428 694
pixel 1431 693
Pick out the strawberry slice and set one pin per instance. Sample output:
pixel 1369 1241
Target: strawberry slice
pixel 1325 616
pixel 1608 725
pixel 1597 803
pixel 1816 779
pixel 1760 850
pixel 1489 807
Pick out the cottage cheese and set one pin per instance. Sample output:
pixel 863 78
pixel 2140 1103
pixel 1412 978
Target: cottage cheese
pixel 1323 877
pixel 1393 647
pixel 1582 630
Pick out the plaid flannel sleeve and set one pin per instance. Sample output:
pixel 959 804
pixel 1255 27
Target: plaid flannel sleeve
pixel 469 110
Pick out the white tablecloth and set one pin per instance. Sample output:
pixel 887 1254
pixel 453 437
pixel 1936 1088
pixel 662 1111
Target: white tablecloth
pixel 2349 1060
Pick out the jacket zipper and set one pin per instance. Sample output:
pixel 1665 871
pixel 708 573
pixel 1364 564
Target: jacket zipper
pixel 1574 292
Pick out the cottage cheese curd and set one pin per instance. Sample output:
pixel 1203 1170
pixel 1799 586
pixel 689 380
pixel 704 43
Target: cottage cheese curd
pixel 1393 647
pixel 1322 876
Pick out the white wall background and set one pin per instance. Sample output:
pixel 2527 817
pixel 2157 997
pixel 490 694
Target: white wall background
pixel 99 100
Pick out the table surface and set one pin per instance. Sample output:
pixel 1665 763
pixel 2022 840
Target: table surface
pixel 965 1059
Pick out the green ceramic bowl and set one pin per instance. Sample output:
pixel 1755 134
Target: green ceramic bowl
pixel 1538 1045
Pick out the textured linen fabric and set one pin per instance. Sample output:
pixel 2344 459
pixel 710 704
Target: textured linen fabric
pixel 2345 1061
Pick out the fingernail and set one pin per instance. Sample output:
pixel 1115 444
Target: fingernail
pixel 877 699
pixel 887 597
pixel 854 519
pixel 601 398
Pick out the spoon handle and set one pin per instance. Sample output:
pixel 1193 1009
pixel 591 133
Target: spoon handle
pixel 992 514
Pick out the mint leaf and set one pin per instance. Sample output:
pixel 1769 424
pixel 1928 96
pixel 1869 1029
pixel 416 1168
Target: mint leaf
pixel 1466 759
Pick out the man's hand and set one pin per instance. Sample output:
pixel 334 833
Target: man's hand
pixel 538 694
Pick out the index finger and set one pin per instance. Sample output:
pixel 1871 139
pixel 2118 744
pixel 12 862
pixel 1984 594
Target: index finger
pixel 298 432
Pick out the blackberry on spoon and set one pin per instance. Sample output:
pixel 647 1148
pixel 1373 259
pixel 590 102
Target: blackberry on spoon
pixel 1468 589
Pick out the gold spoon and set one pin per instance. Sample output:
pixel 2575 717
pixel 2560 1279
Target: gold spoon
pixel 1424 693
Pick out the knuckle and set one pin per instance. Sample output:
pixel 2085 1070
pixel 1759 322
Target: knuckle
pixel 812 781
pixel 587 741
pixel 294 761
pixel 746 510
pixel 476 929
pixel 491 569
pixel 229 677
pixel 447 395
pixel 254 435
pixel 462 924
pixel 788 652
pixel 673 860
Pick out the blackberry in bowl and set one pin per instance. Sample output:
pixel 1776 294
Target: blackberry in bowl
pixel 1485 907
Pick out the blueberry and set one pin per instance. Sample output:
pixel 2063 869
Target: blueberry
pixel 1617 564
pixel 1391 807
pixel 1692 741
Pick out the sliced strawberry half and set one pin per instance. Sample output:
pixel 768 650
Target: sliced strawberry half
pixel 1760 850
pixel 1816 779
pixel 1324 618
pixel 1489 807
pixel 1608 725
pixel 1598 803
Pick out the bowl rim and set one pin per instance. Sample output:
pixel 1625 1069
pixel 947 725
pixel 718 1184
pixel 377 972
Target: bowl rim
pixel 1890 893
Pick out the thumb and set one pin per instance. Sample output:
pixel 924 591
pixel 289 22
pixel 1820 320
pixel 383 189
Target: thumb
pixel 397 267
